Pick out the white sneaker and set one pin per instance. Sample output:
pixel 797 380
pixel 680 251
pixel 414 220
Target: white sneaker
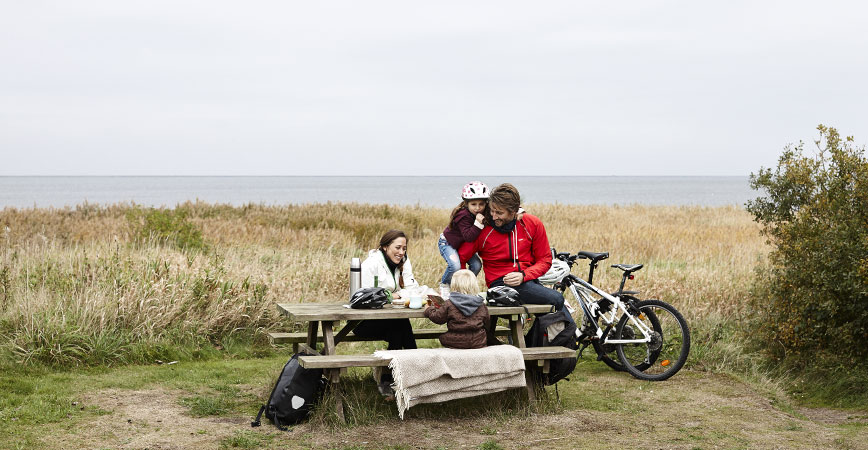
pixel 444 291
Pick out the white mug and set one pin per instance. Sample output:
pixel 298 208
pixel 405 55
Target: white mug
pixel 415 302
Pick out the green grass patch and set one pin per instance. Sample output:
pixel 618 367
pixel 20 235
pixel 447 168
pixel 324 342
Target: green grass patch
pixel 202 406
pixel 167 226
pixel 827 385
pixel 246 439
pixel 606 394
pixel 490 445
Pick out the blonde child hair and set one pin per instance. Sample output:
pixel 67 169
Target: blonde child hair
pixel 464 281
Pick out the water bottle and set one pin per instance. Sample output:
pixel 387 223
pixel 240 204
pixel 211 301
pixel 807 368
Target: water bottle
pixel 355 275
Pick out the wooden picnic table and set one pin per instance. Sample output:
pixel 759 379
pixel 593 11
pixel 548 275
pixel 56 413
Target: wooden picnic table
pixel 326 316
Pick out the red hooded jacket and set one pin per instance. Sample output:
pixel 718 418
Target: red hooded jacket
pixel 525 249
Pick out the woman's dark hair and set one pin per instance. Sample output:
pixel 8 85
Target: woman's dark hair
pixel 387 239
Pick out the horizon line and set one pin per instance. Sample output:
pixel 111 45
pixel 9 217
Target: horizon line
pixel 363 176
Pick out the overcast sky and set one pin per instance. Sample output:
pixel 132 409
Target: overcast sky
pixel 423 88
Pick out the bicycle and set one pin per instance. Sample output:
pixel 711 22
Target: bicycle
pixel 650 337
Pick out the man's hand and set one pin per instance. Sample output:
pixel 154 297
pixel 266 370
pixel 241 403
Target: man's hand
pixel 513 278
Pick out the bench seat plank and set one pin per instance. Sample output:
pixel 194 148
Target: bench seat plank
pixel 339 361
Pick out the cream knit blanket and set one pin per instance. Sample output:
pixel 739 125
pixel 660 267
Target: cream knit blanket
pixel 431 375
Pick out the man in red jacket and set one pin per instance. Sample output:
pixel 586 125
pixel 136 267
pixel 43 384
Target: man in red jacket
pixel 514 252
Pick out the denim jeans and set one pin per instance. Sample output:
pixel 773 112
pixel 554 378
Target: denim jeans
pixel 534 293
pixel 453 264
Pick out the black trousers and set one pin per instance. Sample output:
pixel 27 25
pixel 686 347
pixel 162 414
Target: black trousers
pixel 398 333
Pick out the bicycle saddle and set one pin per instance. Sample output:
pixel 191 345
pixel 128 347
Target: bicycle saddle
pixel 593 256
pixel 628 267
pixel 562 255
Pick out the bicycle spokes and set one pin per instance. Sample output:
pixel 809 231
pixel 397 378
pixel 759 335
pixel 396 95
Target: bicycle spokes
pixel 665 352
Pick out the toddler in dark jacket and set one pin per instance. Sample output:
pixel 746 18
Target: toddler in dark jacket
pixel 465 314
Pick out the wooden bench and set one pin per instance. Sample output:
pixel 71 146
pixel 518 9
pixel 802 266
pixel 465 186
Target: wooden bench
pixel 419 333
pixel 343 361
pixel 336 365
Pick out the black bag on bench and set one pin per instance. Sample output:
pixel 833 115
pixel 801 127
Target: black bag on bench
pixel 296 391
pixel 538 336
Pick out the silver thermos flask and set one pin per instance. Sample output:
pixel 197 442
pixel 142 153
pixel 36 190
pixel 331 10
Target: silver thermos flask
pixel 355 275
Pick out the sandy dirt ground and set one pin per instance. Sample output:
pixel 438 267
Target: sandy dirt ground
pixel 697 411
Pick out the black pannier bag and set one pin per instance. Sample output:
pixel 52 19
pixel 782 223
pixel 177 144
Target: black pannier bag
pixel 554 329
pixel 296 391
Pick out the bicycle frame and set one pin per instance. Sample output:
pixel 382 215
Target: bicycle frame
pixel 583 296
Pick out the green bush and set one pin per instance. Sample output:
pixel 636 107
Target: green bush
pixel 811 297
pixel 169 227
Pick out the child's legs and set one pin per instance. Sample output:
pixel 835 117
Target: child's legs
pixel 453 264
pixel 474 264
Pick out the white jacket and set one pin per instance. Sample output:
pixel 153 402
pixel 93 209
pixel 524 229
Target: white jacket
pixel 375 264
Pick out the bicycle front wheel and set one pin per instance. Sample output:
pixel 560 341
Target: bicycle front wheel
pixel 667 351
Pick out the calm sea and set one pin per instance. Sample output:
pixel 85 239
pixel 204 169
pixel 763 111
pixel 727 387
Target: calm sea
pixel 23 192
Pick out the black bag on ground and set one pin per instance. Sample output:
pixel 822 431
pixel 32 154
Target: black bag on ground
pixel 292 398
pixel 564 331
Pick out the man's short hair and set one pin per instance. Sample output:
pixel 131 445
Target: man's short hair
pixel 505 196
pixel 464 281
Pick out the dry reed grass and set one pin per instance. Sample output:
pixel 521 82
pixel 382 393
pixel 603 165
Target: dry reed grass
pixel 73 282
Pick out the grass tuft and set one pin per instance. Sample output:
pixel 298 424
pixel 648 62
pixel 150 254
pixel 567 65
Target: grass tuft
pixel 246 439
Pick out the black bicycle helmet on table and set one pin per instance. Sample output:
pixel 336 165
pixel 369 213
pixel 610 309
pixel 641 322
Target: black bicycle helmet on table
pixel 369 298
pixel 503 296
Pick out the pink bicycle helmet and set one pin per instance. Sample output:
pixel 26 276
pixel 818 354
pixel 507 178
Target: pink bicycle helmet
pixel 474 190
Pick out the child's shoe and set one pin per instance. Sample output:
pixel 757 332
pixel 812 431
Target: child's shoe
pixel 386 391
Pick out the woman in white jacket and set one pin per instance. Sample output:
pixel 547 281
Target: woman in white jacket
pixel 391 269
pixel 390 266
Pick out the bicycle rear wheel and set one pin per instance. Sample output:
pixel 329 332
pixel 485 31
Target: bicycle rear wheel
pixel 667 352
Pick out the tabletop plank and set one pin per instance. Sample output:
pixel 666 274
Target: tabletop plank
pixel 306 312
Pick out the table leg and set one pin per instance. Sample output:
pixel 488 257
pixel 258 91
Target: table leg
pixel 312 328
pixel 328 338
pixel 334 377
pixel 516 330
pixel 492 328
pixel 530 378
